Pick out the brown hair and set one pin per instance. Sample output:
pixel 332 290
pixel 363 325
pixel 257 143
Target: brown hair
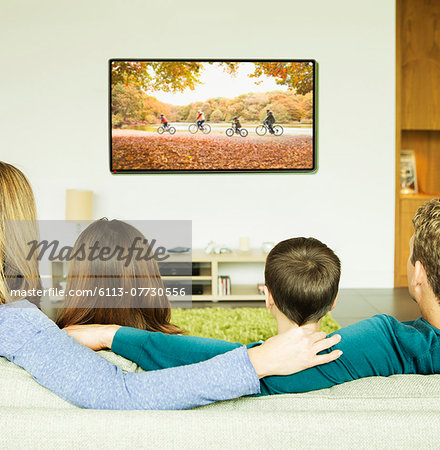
pixel 18 222
pixel 426 246
pixel 112 283
pixel 302 274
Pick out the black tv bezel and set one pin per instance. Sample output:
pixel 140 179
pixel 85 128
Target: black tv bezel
pixel 313 169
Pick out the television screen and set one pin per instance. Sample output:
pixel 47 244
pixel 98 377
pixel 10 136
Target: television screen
pixel 212 115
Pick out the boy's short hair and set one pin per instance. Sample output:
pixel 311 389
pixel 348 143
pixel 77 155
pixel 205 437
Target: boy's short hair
pixel 302 274
pixel 426 246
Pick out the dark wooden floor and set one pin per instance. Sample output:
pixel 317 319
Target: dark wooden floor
pixel 357 304
pixel 353 305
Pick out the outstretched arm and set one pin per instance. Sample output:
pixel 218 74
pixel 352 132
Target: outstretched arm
pixel 369 349
pixel 153 350
pixel 75 373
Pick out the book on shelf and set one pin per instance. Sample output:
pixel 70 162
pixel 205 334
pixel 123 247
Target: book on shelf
pixel 224 285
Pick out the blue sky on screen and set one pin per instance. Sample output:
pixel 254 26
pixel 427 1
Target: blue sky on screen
pixel 218 83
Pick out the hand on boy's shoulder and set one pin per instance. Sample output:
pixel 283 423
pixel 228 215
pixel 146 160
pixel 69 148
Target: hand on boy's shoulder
pixel 293 351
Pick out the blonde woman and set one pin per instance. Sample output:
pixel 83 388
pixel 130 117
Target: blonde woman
pixel 77 374
pixel 17 225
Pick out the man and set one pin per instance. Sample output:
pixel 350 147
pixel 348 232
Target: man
pixel 423 267
pixel 269 121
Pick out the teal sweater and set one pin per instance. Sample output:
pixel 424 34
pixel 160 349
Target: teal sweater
pixel 379 346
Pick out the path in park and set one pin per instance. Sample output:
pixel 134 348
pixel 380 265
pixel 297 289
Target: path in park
pixel 220 128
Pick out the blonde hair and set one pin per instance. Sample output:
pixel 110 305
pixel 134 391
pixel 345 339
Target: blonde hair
pixel 18 221
pixel 426 247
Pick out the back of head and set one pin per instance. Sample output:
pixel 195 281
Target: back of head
pixel 17 227
pixel 302 275
pixel 112 287
pixel 426 246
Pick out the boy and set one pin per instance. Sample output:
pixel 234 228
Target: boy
pixel 237 124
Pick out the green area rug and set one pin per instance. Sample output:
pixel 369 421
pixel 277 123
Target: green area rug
pixel 242 325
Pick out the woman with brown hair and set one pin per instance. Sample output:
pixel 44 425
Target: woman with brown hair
pixel 116 282
pixel 31 340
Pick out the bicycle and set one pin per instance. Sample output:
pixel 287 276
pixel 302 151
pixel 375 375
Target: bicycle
pixel 261 130
pixel 233 130
pixel 205 128
pixel 162 129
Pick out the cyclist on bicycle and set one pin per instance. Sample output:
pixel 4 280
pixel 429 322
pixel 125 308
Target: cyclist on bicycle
pixel 237 124
pixel 200 119
pixel 164 121
pixel 269 121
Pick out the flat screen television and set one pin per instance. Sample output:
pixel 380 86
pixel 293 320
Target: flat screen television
pixel 202 116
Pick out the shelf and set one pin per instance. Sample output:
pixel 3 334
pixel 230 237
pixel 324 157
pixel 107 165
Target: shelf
pixel 241 292
pixel 417 118
pixel 241 257
pixel 187 277
pixel 210 267
pixel 421 130
pixel 418 64
pixel 420 195
pixel 198 255
pixel 224 298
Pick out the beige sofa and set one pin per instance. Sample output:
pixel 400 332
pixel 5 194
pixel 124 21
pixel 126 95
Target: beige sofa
pixel 396 412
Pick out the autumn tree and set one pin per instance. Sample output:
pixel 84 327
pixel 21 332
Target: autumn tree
pixel 307 105
pixel 206 109
pixel 132 104
pixel 177 76
pixel 291 104
pixel 183 113
pixel 294 75
pixel 153 108
pixel 217 115
pixel 257 98
pixel 150 76
pixel 286 105
pixel 127 103
pixel 235 109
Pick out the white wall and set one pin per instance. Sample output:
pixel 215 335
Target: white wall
pixel 53 117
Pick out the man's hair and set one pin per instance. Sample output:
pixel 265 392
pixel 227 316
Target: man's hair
pixel 302 274
pixel 426 246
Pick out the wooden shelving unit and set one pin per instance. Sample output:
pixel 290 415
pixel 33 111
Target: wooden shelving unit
pixel 210 266
pixel 417 114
